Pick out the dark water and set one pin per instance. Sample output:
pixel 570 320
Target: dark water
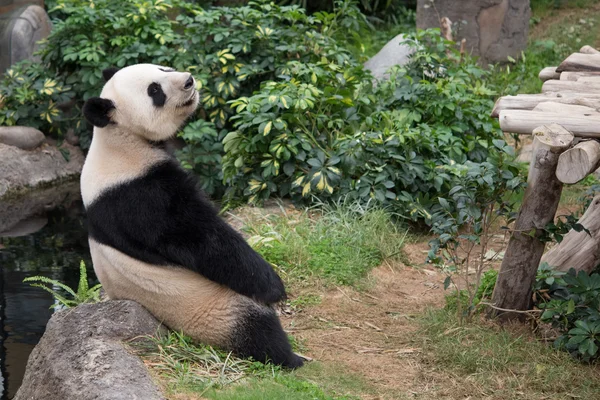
pixel 42 233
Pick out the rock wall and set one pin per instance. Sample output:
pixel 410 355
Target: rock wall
pixel 20 31
pixel 24 169
pixel 81 355
pixel 494 29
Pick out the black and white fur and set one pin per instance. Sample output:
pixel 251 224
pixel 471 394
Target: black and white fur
pixel 155 238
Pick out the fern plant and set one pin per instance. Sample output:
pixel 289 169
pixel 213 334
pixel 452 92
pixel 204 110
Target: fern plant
pixel 84 293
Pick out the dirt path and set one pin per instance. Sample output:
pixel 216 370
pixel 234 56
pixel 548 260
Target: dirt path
pixel 370 334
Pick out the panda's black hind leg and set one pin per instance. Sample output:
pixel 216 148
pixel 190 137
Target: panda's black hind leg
pixel 259 335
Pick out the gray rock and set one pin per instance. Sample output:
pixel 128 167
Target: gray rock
pixel 25 227
pixel 395 52
pixel 494 29
pixel 23 137
pixel 20 32
pixel 23 170
pixel 81 357
pixel 16 210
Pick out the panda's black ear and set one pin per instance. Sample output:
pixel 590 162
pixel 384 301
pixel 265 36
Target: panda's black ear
pixel 109 72
pixel 97 111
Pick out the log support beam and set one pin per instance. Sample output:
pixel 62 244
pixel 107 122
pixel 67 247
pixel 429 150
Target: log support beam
pixel 579 250
pixel 578 162
pixel 524 251
pixel 525 122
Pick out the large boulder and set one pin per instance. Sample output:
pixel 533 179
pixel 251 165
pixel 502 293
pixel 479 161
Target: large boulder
pixel 81 355
pixel 23 137
pixel 396 52
pixel 493 29
pixel 20 31
pixel 21 169
pixel 25 214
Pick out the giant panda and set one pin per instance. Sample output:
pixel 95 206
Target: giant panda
pixel 155 238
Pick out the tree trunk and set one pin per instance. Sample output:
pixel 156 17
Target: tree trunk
pixel 524 251
pixel 494 29
pixel 579 250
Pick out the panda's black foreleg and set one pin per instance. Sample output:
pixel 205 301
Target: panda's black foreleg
pixel 259 335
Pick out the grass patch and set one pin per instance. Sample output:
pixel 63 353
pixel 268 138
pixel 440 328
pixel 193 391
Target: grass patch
pixel 497 363
pixel 183 366
pixel 338 243
pixel 557 29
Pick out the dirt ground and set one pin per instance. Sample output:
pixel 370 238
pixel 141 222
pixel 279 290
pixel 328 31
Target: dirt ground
pixel 369 334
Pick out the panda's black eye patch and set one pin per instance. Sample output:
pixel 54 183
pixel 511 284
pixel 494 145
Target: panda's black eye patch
pixel 158 96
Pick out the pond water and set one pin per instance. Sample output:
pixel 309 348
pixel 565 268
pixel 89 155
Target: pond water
pixel 41 233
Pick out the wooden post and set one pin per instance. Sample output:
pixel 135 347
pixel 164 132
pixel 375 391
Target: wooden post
pixel 575 76
pixel 548 73
pixel 588 50
pixel 579 250
pixel 524 251
pixel 555 85
pixel 530 101
pixel 523 121
pixel 578 162
pixel 578 62
pixel 560 108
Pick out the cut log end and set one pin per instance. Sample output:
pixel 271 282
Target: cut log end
pixel 577 163
pixel 588 50
pixel 548 73
pixel 553 136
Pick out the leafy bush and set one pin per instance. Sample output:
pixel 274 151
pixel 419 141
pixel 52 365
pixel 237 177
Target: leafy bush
pixel 229 50
pixel 30 96
pixel 324 130
pixel 286 110
pixel 571 303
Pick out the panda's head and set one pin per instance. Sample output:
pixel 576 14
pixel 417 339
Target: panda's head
pixel 147 100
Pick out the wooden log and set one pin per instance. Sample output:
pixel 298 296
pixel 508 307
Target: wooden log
pixel 574 76
pixel 578 162
pixel 570 86
pixel 579 250
pixel 589 79
pixel 523 121
pixel 548 73
pixel 559 108
pixel 580 62
pixel 524 251
pixel 530 101
pixel 588 50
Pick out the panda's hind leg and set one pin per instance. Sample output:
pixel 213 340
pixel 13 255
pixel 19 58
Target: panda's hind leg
pixel 259 334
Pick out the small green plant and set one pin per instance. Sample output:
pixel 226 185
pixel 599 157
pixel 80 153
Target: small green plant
pixel 571 303
pixel 463 225
pixel 84 293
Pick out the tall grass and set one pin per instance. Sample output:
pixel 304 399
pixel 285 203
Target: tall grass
pixel 339 243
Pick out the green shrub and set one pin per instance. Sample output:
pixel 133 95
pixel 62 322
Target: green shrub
pixel 286 110
pixel 324 130
pixel 30 96
pixel 571 303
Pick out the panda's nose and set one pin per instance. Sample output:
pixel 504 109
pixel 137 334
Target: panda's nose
pixel 189 83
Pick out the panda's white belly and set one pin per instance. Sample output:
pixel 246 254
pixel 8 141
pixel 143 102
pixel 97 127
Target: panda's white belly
pixel 180 298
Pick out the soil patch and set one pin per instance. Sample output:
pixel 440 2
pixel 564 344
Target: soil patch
pixel 370 334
